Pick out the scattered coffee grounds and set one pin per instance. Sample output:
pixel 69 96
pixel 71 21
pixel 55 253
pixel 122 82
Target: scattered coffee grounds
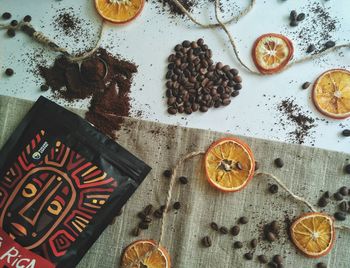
pixel 183 180
pixel 9 72
pixel 214 226
pixel 172 8
pixel 248 256
pixel 279 162
pixel 177 205
pixel 223 230
pixel 238 244
pixel 6 15
pixel 206 241
pixel 195 83
pixel 292 115
pixel 322 202
pixel 305 85
pixel 66 21
pixel 346 133
pixel 243 220
pixel 104 77
pixel 340 216
pixel 254 243
pixel 167 173
pixel 235 230
pixel 273 189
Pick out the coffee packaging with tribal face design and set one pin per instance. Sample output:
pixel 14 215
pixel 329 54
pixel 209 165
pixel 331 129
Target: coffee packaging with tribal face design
pixel 61 183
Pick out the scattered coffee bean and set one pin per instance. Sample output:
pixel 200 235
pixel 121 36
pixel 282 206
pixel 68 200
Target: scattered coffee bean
pixel 277 259
pixel 271 264
pixel 158 213
pixel 177 205
pixel 293 15
pixel 167 173
pixel 305 85
pixel 141 215
pixel 322 202
pixel 273 188
pixel 9 72
pixel 301 17
pixel 254 243
pixel 136 231
pixel 321 265
pixel 274 227
pixel 147 219
pixel 143 225
pixel 11 32
pixel 340 216
pixel 183 180
pixel 347 169
pixel 6 16
pixel 270 236
pixel 214 226
pixel 243 220
pixel 262 259
pixel 44 87
pixel 14 23
pixel 329 44
pixel 343 206
pixel 148 210
pixel 344 190
pixel 327 194
pixel 346 133
pixel 206 241
pixel 338 196
pixel 223 230
pixel 279 162
pixel 293 23
pixel 27 18
pixel 235 230
pixel 310 48
pixel 248 256
pixel 257 165
pixel 238 244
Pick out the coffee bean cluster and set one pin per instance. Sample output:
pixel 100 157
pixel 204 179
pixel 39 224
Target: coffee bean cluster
pixel 195 83
pixel 145 220
pixel 295 18
pixel 271 231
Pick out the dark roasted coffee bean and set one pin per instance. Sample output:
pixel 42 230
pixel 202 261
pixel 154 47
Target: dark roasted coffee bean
pixel 262 259
pixel 181 109
pixel 177 205
pixel 254 243
pixel 200 42
pixel 238 244
pixel 270 236
pixel 14 23
pixel 237 79
pixel 237 86
pixel 171 58
pixel 274 227
pixel 235 93
pixel 321 265
pixel 188 110
pixel 11 32
pixel 27 18
pixel 346 133
pixel 340 216
pixel 293 15
pixel 338 196
pixel 273 188
pixel 310 48
pixel 9 72
pixel 147 219
pixel 186 43
pixel 322 202
pixel 347 169
pixel 141 215
pixel 243 220
pixel 223 230
pixel 136 231
pixel 326 194
pixel 226 68
pixel 158 213
pixel 293 23
pixel 203 109
pixel 234 72
pixel 248 256
pixel 6 15
pixel 344 190
pixel 214 226
pixel 279 162
pixel 206 241
pixel 343 206
pixel 329 44
pixel 148 210
pixel 219 65
pixel 172 110
pixel 271 264
pixel 305 85
pixel 44 87
pixel 235 230
pixel 277 259
pixel 143 225
pixel 301 17
pixel 195 107
pixel 168 74
pixel 167 173
pixel 183 180
pixel 171 101
pixel 226 102
pixel 177 47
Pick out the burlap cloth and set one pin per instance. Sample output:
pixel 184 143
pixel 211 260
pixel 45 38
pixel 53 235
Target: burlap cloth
pixel 306 171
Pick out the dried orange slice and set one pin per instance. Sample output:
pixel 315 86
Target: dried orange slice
pixel 119 11
pixel 313 234
pixel 145 254
pixel 229 164
pixel 271 53
pixel 331 93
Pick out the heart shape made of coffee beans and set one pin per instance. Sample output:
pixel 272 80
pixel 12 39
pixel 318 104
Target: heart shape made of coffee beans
pixel 195 83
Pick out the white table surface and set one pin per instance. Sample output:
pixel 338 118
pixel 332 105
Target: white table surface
pixel 150 39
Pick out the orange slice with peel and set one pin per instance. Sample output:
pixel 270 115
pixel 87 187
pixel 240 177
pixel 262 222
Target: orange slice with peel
pixel 229 164
pixel 119 11
pixel 272 52
pixel 331 93
pixel 313 234
pixel 145 253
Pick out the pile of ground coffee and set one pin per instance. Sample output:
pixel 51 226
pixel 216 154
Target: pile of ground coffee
pixel 104 77
pixel 169 6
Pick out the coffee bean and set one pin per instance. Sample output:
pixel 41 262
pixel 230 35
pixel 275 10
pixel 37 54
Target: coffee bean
pixel 343 206
pixel 347 169
pixel 346 133
pixel 238 244
pixel 206 241
pixel 183 180
pixel 223 230
pixel 9 72
pixel 27 18
pixel 136 231
pixel 338 196
pixel 326 194
pixel 141 215
pixel 274 227
pixel 329 44
pixel 254 243
pixel 270 236
pixel 305 85
pixel 200 42
pixel 344 190
pixel 237 86
pixel 243 220
pixel 177 205
pixel 167 173
pixel 214 226
pixel 148 210
pixel 279 162
pixel 293 15
pixel 14 23
pixel 310 48
pixel 44 87
pixel 158 213
pixel 6 15
pixel 226 101
pixel 11 32
pixel 235 93
pixel 273 189
pixel 248 256
pixel 235 230
pixel 340 216
pixel 257 165
pixel 203 109
pixel 301 17
pixel 172 110
pixel 277 259
pixel 321 265
pixel 143 225
pixel 293 23
pixel 322 202
pixel 271 264
pixel 237 79
pixel 262 259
